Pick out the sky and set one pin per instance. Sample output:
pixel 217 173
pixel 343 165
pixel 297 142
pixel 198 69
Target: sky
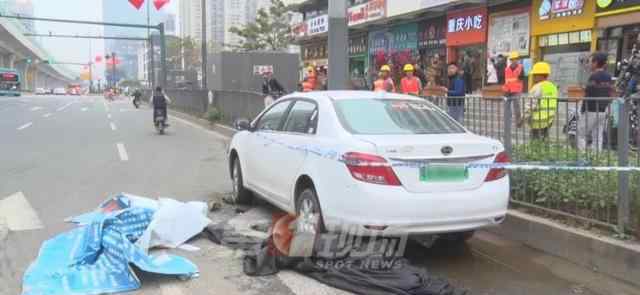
pixel 76 50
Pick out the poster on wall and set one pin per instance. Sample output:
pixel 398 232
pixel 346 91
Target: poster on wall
pixel 318 25
pixel 509 33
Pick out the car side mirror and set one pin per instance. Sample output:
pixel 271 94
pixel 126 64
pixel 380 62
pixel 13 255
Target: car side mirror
pixel 242 124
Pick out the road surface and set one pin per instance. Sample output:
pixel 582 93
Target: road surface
pixel 61 156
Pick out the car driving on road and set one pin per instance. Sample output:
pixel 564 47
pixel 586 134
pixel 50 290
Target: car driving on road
pixel 59 91
pixel 384 163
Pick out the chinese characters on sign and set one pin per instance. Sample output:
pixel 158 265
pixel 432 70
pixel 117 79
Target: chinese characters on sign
pixel 468 23
pixel 318 25
pixel 261 69
pixel 362 13
pixel 560 8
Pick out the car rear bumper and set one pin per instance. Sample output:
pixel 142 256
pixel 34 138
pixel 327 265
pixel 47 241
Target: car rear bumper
pixel 400 212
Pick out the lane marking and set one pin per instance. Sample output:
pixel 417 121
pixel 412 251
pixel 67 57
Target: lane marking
pixel 84 109
pixel 19 214
pixel 113 126
pixel 33 109
pixel 122 152
pixel 25 126
pixel 47 115
pixel 109 116
pixel 64 106
pixel 213 133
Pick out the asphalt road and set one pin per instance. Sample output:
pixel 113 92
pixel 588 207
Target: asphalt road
pixel 64 155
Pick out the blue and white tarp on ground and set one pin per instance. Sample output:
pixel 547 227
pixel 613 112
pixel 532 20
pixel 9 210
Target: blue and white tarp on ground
pixel 96 258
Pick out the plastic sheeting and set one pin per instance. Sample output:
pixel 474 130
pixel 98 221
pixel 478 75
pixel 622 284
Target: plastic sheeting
pixel 96 258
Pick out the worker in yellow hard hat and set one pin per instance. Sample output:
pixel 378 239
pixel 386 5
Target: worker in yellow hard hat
pixel 513 87
pixel 384 83
pixel 540 111
pixel 410 84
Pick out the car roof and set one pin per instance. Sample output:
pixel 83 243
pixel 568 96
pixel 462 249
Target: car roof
pixel 350 94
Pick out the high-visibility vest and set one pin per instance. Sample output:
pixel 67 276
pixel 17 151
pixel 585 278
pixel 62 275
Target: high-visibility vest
pixel 544 115
pixel 307 86
pixel 410 85
pixel 512 82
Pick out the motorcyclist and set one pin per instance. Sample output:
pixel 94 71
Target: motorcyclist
pixel 137 94
pixel 271 88
pixel 159 101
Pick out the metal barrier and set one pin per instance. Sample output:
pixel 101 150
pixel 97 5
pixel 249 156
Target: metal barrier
pixel 564 135
pixel 235 104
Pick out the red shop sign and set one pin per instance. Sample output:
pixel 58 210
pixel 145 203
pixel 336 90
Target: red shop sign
pixel 467 27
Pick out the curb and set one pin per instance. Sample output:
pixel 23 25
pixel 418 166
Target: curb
pixel 615 258
pixel 223 130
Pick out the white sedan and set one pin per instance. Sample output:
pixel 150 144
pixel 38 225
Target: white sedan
pixel 383 163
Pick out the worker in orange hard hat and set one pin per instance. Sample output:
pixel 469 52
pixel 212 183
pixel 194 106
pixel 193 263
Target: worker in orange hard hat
pixel 410 84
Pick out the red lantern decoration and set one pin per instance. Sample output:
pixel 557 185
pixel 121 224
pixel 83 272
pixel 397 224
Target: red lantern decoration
pixel 136 3
pixel 160 3
pixel 98 59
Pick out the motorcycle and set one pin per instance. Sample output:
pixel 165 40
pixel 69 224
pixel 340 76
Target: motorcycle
pixel 160 120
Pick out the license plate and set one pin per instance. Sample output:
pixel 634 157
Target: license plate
pixel 443 173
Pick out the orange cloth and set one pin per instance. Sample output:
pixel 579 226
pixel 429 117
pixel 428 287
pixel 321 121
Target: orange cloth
pixel 410 85
pixel 512 82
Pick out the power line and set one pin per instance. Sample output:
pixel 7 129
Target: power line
pixel 86 37
pixel 70 21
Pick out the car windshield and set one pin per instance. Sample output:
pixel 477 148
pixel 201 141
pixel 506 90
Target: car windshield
pixel 392 116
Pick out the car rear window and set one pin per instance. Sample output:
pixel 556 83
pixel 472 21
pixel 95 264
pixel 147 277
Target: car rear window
pixel 392 116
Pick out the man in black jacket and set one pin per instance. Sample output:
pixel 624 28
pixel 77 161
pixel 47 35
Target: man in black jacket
pixel 271 86
pixel 593 112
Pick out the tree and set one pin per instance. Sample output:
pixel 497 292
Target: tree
pixel 270 31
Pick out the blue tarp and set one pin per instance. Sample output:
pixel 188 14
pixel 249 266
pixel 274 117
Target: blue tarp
pixel 96 258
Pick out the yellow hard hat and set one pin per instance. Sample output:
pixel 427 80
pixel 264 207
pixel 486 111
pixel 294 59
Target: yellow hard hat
pixel 409 68
pixel 385 68
pixel 541 68
pixel 514 55
pixel 311 68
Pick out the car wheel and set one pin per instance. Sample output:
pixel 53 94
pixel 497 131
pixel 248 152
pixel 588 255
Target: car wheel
pixel 241 195
pixel 309 212
pixel 459 237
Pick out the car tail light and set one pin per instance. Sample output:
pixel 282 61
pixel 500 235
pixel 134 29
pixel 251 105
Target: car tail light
pixel 497 173
pixel 370 168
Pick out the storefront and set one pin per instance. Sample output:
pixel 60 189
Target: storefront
pixel 403 47
pixel 466 44
pixel 563 35
pixel 618 26
pixel 378 49
pixel 432 48
pixel 358 61
pixel 314 51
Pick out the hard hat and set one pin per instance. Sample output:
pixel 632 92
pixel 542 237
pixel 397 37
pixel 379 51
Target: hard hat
pixel 311 69
pixel 541 68
pixel 514 55
pixel 385 68
pixel 409 68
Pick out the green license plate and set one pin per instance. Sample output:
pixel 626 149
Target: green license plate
pixel 443 173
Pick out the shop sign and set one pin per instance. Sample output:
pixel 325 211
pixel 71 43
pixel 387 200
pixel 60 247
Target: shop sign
pixel 378 41
pixel 299 30
pixel 560 8
pixel 467 26
pixel 366 12
pixel 261 69
pixel 509 33
pixel 609 5
pixel 432 35
pixel 404 37
pixel 318 25
pixel 358 45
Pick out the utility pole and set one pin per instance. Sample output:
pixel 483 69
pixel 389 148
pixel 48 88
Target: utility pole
pixel 203 8
pixel 163 56
pixel 338 40
pixel 151 65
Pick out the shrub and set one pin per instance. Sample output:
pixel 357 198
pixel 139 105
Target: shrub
pixel 213 115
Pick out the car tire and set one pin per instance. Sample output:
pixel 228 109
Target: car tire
pixel 459 237
pixel 241 195
pixel 309 212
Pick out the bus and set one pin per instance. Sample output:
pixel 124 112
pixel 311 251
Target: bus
pixel 9 82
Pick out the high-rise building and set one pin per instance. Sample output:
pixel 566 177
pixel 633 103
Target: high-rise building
pixel 127 51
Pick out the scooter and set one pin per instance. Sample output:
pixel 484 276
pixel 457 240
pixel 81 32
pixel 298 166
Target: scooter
pixel 160 121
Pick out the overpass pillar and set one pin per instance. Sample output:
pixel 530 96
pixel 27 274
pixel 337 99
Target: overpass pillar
pixel 11 62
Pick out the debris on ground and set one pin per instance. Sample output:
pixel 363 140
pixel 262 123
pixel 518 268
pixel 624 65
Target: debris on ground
pixel 96 257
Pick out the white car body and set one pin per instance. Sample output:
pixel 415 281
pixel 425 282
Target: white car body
pixel 40 91
pixel 275 163
pixel 59 91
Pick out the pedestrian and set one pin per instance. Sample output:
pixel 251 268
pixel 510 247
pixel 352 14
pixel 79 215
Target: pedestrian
pixel 592 116
pixel 410 84
pixel 467 71
pixel 514 83
pixel 541 111
pixel 384 83
pixel 501 64
pixel 137 94
pixel 271 86
pixel 492 74
pixel 419 73
pixel 455 93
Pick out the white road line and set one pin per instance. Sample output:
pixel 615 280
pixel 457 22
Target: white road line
pixel 25 126
pixel 47 115
pixel 84 109
pixel 18 213
pixel 213 133
pixel 33 109
pixel 113 126
pixel 64 106
pixel 122 152
pixel 109 116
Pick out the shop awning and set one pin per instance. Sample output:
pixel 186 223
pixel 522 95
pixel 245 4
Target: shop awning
pixel 618 20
